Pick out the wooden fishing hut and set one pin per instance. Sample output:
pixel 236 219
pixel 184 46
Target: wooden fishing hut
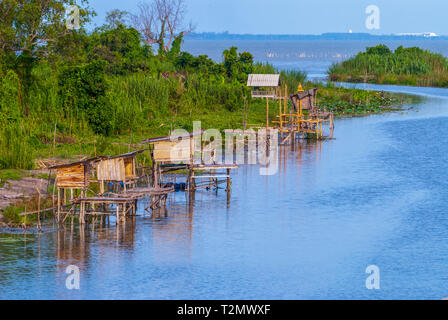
pixel 72 180
pixel 304 117
pixel 78 176
pixel 265 86
pixel 306 101
pixel 118 169
pixel 171 153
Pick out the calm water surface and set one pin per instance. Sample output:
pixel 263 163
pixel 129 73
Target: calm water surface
pixel 312 56
pixel 377 194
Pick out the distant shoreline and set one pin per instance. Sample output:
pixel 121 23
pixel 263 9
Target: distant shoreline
pixel 324 36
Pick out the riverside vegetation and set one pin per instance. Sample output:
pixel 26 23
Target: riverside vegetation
pixel 111 92
pixel 102 92
pixel 404 66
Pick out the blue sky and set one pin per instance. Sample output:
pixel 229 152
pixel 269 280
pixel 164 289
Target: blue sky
pixel 302 16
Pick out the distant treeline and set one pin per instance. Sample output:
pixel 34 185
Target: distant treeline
pixel 325 36
pixel 71 93
pixel 404 66
pixel 76 94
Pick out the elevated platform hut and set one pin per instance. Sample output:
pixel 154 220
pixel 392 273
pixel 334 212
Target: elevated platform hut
pixel 265 86
pixel 304 117
pixel 77 177
pixel 120 169
pixel 72 180
pixel 313 121
pixel 177 153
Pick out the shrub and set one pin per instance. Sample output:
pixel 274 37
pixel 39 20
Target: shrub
pixel 83 88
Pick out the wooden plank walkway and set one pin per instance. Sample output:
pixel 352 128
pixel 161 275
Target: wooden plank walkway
pixel 122 204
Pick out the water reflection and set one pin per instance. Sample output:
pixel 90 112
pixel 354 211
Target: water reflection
pixel 371 196
pixel 304 150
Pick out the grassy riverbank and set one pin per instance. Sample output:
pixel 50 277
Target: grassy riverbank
pixel 102 93
pixel 76 142
pixel 110 113
pixel 346 102
pixel 404 66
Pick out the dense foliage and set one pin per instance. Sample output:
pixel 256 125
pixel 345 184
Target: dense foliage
pixel 357 102
pixel 80 91
pixel 408 66
pixel 72 93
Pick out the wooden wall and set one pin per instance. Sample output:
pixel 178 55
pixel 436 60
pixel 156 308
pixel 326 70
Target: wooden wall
pixel 167 151
pixel 72 177
pixel 129 168
pixel 118 169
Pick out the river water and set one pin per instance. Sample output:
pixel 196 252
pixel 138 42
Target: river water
pixel 376 195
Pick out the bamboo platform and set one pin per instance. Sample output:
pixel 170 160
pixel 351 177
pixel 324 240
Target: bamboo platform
pixel 121 205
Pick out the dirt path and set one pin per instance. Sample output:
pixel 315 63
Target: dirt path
pixel 14 190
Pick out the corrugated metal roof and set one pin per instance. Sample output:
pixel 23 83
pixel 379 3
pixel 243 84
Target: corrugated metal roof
pixel 263 80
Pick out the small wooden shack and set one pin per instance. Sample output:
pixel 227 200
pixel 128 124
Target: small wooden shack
pixel 120 168
pixel 310 122
pixel 72 180
pixel 304 100
pixel 265 85
pixel 171 153
pixel 75 175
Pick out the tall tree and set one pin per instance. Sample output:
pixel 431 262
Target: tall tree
pixel 27 25
pixel 161 21
pixel 116 17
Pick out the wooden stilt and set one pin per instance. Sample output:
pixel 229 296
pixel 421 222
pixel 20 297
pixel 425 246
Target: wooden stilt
pixel 228 181
pixel 58 205
pixel 156 176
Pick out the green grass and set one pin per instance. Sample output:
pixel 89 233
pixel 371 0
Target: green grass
pixel 404 66
pixel 146 105
pixel 344 102
pixel 11 174
pixel 12 213
pixel 357 102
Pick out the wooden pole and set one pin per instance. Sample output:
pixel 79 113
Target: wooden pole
pixel 284 102
pixel 81 211
pixel 267 112
pixel 191 183
pixel 38 208
pixel 156 175
pixel 58 205
pixel 280 108
pixel 246 106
